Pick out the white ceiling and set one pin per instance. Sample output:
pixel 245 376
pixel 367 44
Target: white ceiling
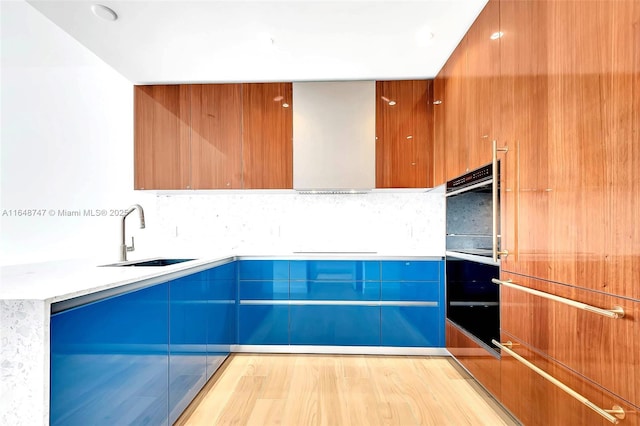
pixel 229 41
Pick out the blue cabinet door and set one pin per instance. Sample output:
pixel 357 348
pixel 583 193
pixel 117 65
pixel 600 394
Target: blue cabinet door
pixel 109 361
pixel 221 315
pixel 263 313
pixel 187 340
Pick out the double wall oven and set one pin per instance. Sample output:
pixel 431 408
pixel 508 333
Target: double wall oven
pixel 473 250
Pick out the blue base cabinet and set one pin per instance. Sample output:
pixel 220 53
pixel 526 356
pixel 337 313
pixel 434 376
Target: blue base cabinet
pixel 187 341
pixel 221 296
pixel 141 357
pixel 335 325
pixel 263 295
pixel 412 311
pixel 109 361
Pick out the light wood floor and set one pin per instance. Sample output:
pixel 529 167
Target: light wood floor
pixel 301 390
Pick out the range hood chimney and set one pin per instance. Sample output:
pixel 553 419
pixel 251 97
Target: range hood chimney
pixel 334 146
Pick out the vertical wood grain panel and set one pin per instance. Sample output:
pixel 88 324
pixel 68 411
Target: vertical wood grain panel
pixel 161 137
pixel 267 136
pixel 523 129
pixel 536 401
pixel 482 100
pixel 216 136
pixel 604 350
pixel 570 110
pixel 439 143
pixel 476 359
pixel 404 134
pixel 455 134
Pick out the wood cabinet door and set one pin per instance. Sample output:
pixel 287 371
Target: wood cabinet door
pixel 483 72
pixel 536 401
pixel 216 136
pixel 404 134
pixel 593 146
pixel 267 135
pixel 439 120
pixel 453 104
pixel 161 137
pixel 523 94
pixel 572 116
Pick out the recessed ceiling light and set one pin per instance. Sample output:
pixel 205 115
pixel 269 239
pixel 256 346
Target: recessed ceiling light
pixel 285 105
pixel 424 35
pixel 496 35
pixel 104 12
pixel 392 103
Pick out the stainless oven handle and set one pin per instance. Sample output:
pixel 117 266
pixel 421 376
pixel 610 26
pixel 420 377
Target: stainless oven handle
pixel 470 187
pixel 494 204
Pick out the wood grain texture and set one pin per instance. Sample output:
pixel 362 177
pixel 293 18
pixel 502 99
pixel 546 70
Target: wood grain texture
pixel 536 401
pixel 267 135
pixel 604 350
pixel 579 185
pixel 161 137
pixel 216 129
pixel 454 111
pixel 476 359
pixel 482 80
pixel 404 134
pixel 342 390
pixel 523 129
pixel 216 136
pixel 439 142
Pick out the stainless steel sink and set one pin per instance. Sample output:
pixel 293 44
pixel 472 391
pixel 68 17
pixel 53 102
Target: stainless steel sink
pixel 150 262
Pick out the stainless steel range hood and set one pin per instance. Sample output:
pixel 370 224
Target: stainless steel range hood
pixel 334 143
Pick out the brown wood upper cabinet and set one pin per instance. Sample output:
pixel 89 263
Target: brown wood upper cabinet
pixel 161 137
pixel 213 136
pixel 267 135
pixel 404 134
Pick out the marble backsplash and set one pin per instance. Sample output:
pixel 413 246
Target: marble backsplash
pixel 276 222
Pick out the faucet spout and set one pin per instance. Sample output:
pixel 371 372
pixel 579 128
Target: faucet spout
pixel 123 245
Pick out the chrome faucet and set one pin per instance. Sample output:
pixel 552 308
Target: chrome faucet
pixel 124 248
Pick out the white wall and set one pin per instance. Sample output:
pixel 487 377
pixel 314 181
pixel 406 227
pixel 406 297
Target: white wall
pixel 66 142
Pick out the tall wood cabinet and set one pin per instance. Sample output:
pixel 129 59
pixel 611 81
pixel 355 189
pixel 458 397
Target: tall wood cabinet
pixel 213 136
pixel 404 134
pixel 565 102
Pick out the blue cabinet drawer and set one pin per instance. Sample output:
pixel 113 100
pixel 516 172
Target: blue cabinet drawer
pixel 263 290
pixel 332 290
pixel 412 326
pixel 335 270
pixel 410 290
pixel 335 325
pixel 263 324
pixel 411 271
pixel 263 270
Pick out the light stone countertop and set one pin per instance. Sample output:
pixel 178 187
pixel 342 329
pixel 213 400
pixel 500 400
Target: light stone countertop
pixel 55 281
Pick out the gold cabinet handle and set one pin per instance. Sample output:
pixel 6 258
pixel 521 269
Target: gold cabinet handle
pixel 614 415
pixel 615 313
pixel 494 194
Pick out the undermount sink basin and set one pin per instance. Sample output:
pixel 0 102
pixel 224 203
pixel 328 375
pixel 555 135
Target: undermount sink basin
pixel 150 262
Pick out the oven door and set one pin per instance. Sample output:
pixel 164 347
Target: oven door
pixel 473 301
